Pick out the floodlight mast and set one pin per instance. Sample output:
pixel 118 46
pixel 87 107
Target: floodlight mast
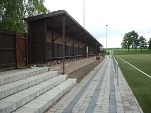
pixel 83 13
pixel 106 38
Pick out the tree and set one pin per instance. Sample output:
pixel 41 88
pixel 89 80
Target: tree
pixel 126 41
pixel 130 39
pixel 13 13
pixel 142 42
pixel 149 42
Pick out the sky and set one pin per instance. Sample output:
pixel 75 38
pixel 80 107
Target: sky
pixel 121 16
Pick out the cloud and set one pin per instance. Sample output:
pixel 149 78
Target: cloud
pixel 121 16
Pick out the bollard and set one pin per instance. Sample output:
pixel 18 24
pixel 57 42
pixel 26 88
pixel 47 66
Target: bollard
pixel 115 67
pixel 115 63
pixel 117 75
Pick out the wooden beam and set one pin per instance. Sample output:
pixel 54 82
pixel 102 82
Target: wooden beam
pixel 76 42
pixel 81 44
pixel 96 48
pixel 68 40
pixel 45 46
pixel 57 37
pixel 63 43
pixel 52 45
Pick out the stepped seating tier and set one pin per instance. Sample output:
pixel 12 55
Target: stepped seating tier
pixel 15 75
pixel 33 90
pixel 14 87
pixel 43 102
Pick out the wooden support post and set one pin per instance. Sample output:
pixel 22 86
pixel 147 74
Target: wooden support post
pixel 45 46
pixel 96 48
pixel 52 45
pixel 63 44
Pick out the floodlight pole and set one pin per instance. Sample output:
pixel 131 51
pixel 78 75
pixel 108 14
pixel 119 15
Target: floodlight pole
pixel 106 38
pixel 83 13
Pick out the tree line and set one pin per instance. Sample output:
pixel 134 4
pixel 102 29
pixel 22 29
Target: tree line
pixel 134 41
pixel 13 12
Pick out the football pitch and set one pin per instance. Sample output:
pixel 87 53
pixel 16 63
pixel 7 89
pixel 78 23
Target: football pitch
pixel 140 83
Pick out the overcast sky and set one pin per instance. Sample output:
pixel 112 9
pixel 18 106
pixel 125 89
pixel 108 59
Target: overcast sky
pixel 121 16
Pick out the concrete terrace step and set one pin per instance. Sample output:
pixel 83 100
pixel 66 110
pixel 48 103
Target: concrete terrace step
pixel 14 87
pixel 43 102
pixel 15 75
pixel 19 99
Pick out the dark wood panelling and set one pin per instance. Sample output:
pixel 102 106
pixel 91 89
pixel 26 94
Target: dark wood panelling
pixel 37 42
pixel 21 50
pixel 7 50
pixel 69 50
pixel 13 52
pixel 58 50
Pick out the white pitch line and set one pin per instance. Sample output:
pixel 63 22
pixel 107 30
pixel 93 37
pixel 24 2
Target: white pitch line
pixel 135 68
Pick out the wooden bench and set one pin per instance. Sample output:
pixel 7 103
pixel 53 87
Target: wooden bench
pixel 91 55
pixel 60 58
pixel 79 56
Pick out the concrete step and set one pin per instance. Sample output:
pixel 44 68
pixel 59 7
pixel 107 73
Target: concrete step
pixel 43 102
pixel 14 87
pixel 19 99
pixel 15 75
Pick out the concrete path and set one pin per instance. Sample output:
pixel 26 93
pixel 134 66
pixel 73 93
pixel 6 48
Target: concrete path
pixel 98 93
pixel 72 65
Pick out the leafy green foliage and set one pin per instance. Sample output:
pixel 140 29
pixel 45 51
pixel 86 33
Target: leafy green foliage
pixel 13 13
pixel 142 42
pixel 149 42
pixel 132 40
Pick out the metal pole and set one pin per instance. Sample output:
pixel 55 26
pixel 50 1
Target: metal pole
pixel 63 44
pixel 117 75
pixel 115 68
pixel 83 13
pixel 106 38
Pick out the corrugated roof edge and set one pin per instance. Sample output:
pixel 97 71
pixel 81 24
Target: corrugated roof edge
pixel 56 13
pixel 81 26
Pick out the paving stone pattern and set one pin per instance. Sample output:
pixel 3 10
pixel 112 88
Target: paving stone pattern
pixel 98 93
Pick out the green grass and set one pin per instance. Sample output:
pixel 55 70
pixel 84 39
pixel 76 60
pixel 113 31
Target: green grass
pixel 121 51
pixel 141 61
pixel 139 83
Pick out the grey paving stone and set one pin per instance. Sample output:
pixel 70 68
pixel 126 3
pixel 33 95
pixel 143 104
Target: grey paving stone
pixel 108 97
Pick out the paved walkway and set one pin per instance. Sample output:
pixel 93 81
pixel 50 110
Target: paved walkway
pixel 98 93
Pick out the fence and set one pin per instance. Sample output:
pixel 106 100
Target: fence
pixel 13 51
